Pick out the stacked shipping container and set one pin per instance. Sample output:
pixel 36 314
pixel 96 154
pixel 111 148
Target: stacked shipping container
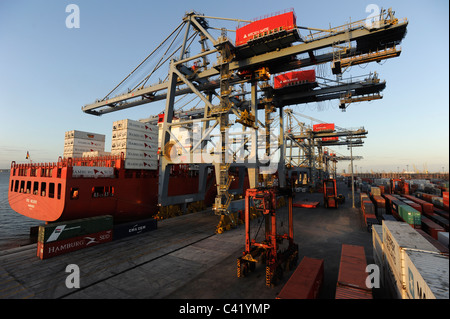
pixel 59 238
pixel 305 282
pixel 412 268
pixel 352 275
pixel 78 142
pixel 138 142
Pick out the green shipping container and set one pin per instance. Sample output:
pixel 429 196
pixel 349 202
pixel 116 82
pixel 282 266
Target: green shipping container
pixel 409 214
pixel 73 228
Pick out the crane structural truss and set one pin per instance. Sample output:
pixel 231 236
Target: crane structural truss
pixel 230 114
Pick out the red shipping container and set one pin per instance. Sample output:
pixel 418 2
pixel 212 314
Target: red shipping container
pixel 305 282
pixel 431 227
pixel 344 292
pixel 294 78
pixel 445 198
pixel 323 127
pixel 427 208
pixel 52 249
pixel 265 27
pixel 324 139
pixel 352 268
pixel 442 248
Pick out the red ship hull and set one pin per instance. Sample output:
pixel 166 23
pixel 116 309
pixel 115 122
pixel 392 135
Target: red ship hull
pixel 59 191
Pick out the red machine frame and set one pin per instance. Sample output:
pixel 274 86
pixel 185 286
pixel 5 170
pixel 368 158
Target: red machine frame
pixel 330 200
pixel 265 201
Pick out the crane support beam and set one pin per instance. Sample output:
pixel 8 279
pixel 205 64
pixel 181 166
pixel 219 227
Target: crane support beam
pixel 363 36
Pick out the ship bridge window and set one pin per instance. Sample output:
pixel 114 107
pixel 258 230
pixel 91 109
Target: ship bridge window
pixel 12 185
pixel 74 193
pixel 59 191
pixel 22 185
pixel 16 186
pixel 28 190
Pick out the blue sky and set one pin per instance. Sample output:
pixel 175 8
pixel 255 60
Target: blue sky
pixel 48 72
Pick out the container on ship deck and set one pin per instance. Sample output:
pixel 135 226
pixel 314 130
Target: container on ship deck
pixel 84 135
pixel 134 125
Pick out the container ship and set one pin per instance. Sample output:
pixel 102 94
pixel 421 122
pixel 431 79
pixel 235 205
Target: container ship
pixel 87 181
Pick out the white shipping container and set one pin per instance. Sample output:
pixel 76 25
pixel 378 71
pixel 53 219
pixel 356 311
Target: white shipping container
pixel 136 125
pixel 92 171
pixel 82 149
pixel 72 154
pixel 134 145
pixel 136 154
pixel 426 275
pixel 96 154
pixel 443 238
pixel 83 142
pixel 396 237
pixel 85 135
pixel 378 255
pixel 135 134
pixel 393 284
pixel 141 164
pixel 377 242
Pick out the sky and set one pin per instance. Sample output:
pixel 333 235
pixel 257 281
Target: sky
pixel 48 72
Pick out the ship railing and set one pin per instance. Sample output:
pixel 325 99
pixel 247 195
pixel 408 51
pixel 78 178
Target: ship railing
pixel 30 169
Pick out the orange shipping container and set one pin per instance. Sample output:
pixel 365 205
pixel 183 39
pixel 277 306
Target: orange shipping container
pixel 305 282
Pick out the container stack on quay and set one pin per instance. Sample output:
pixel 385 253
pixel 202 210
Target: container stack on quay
pixel 351 283
pixel 63 237
pixel 410 266
pixel 306 281
pixel 80 143
pixel 138 142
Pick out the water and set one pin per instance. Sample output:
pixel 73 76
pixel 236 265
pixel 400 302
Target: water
pixel 14 228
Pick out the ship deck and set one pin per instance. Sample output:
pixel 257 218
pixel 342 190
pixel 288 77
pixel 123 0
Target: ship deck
pixel 185 259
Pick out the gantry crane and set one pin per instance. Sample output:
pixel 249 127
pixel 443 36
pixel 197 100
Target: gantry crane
pixel 249 65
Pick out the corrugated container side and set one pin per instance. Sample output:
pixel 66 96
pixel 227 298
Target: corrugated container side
pixel 409 215
pixel 394 284
pixel 378 254
pixel 141 164
pixel 266 26
pixel 352 268
pixel 306 280
pixel 396 237
pixel 345 292
pixel 78 227
pixel 431 227
pixel 439 246
pixel 47 250
pixel 377 242
pixel 443 238
pixel 426 275
pixel 134 125
pixel 92 171
pixel 323 127
pixel 134 228
pixel 84 135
